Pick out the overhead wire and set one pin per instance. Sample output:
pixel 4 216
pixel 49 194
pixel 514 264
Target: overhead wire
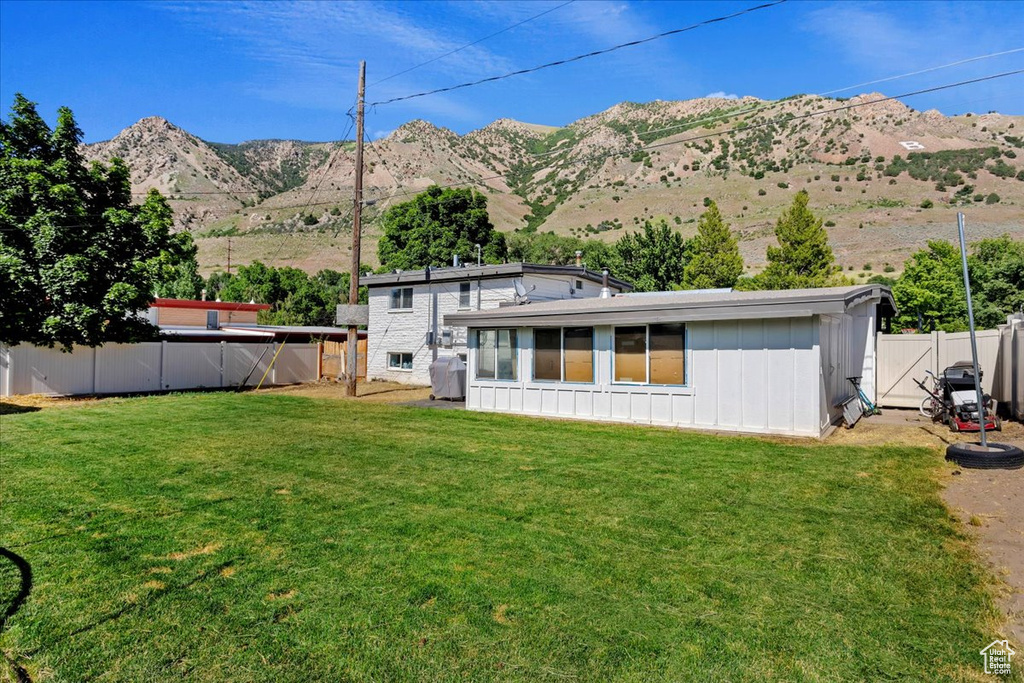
pixel 577 58
pixel 475 42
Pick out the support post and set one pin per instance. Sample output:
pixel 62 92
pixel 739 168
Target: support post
pixel 352 364
pixel 974 341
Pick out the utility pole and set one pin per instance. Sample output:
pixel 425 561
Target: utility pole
pixel 229 256
pixel 352 363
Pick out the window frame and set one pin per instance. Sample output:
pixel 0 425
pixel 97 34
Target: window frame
pixel 514 337
pixel 401 308
pixel 647 357
pixel 400 367
pixel 561 355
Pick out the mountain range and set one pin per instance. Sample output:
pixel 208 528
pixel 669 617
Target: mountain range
pixel 885 177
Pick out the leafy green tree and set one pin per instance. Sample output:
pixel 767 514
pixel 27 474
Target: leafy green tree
pixel 653 260
pixel 803 257
pixel 930 292
pixel 435 225
pixel 996 267
pixel 295 297
pixel 559 250
pixel 78 260
pixel 715 259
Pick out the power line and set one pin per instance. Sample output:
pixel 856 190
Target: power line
pixel 577 58
pixel 475 42
pixel 762 124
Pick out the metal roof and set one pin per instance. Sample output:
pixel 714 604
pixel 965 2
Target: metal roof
pixel 484 272
pixel 208 305
pixel 682 306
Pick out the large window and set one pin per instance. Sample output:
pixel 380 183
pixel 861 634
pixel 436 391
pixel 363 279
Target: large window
pixel 464 288
pixel 401 299
pixel 652 354
pixel 579 354
pixel 563 354
pixel 547 353
pixel 496 354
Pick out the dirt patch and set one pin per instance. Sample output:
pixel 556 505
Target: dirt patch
pixel 281 595
pixel 207 549
pixel 372 392
pixel 500 615
pixel 154 585
pixel 989 503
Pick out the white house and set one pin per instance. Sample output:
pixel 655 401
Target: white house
pixel 406 331
pixel 767 362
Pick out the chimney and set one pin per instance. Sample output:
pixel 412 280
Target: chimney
pixel 579 258
pixel 606 292
pixel 455 260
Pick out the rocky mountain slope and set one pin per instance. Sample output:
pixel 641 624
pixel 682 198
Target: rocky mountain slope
pixel 886 177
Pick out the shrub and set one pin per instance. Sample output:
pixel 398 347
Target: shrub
pixel 707 201
pixel 784 185
pixel 927 203
pixel 830 224
pixel 889 268
pixel 761 192
pixel 992 199
pixel 839 188
pixel 979 197
pixel 835 177
pixel 867 266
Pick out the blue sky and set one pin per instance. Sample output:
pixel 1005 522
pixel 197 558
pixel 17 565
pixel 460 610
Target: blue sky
pixel 229 72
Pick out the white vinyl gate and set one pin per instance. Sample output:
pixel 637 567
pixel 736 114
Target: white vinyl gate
pixel 151 366
pixel 902 358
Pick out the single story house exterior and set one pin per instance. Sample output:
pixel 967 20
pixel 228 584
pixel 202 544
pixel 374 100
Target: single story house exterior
pixel 407 308
pixel 773 362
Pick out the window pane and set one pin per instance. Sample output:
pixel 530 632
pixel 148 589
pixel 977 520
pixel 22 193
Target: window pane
pixel 396 298
pixel 667 356
pixel 485 353
pixel 464 295
pixel 407 361
pixel 579 354
pixel 506 354
pixel 547 354
pixel 631 354
pixel 407 297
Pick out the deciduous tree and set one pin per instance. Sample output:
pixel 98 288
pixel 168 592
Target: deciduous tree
pixel 78 261
pixel 435 225
pixel 653 260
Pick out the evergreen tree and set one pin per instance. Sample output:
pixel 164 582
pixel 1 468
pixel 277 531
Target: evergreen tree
pixel 803 257
pixel 78 260
pixel 715 259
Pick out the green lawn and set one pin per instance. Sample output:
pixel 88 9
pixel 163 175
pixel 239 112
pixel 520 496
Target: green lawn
pixel 259 537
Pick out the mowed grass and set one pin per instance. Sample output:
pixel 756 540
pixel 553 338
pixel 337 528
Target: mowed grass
pixel 271 538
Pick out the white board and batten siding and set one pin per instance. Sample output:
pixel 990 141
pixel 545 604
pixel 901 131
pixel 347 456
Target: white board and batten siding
pixel 759 376
pixel 150 366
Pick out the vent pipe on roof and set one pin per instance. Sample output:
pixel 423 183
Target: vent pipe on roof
pixel 606 291
pixel 579 258
pixel 455 260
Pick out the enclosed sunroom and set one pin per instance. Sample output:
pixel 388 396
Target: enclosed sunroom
pixel 763 362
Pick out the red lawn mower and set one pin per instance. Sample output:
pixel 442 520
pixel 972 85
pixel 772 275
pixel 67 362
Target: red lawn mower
pixel 954 401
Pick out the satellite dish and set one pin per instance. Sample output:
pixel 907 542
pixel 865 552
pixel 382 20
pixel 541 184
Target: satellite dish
pixel 520 289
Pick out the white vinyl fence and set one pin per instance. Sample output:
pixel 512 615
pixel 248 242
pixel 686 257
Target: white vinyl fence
pixel 902 358
pixel 151 366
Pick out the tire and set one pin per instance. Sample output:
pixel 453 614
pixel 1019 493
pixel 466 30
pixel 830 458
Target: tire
pixel 1006 457
pixel 927 408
